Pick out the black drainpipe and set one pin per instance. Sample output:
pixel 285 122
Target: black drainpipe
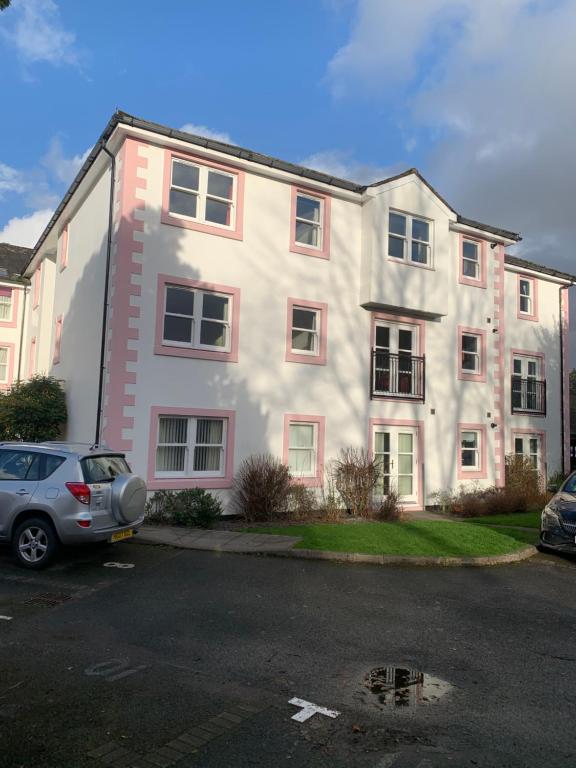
pixel 25 292
pixel 106 291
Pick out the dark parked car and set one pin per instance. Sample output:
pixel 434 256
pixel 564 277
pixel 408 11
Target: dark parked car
pixel 65 493
pixel 558 524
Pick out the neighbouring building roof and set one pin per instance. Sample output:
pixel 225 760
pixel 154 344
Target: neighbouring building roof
pixel 13 260
pixel 524 264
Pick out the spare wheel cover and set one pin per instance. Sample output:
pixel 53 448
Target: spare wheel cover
pixel 128 498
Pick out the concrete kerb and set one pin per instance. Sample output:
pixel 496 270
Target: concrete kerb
pixel 280 546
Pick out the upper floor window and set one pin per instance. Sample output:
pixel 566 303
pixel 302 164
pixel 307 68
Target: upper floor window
pixel 472 354
pixel 527 298
pixel 310 223
pixel 472 269
pixel 5 304
pixel 197 319
pixel 528 386
pixel 397 367
pixel 203 195
pixel 306 332
pixel 409 238
pixel 64 248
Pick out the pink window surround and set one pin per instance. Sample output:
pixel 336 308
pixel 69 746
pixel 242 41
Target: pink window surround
pixel 10 372
pixel 160 348
pixel 178 483
pixel 541 435
pixel 419 326
pixel 32 357
pixel 534 295
pixel 324 251
pixel 37 279
pixel 320 421
pixel 473 474
pixel 14 293
pixel 235 233
pixel 295 357
pixel 64 249
pixel 57 340
pixel 466 375
pixel 464 279
pixel 419 425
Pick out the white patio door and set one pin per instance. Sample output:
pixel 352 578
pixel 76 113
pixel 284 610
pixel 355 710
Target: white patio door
pixel 529 447
pixel 396 449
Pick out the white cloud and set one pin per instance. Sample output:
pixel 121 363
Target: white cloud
pixel 25 230
pixel 62 167
pixel 202 130
pixel 488 87
pixel 342 165
pixel 10 180
pixel 34 28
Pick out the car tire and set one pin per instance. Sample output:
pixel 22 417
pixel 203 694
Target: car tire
pixel 34 543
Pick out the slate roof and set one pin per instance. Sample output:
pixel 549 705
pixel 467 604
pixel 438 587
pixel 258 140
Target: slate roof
pixel 524 264
pixel 14 259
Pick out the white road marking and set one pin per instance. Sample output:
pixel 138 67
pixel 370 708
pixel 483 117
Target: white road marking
pixel 112 670
pixel 309 709
pixel 5 618
pixel 118 565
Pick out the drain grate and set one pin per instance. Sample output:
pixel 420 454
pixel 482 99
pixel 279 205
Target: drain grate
pixel 47 599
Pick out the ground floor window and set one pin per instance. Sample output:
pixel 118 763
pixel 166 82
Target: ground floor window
pixel 472 452
pixel 304 448
pixel 189 446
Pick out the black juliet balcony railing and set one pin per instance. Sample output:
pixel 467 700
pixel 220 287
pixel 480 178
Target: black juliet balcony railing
pixel 528 396
pixel 397 375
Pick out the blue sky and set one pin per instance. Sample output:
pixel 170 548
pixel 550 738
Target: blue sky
pixel 478 96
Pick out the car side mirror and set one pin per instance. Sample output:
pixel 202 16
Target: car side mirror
pixel 552 488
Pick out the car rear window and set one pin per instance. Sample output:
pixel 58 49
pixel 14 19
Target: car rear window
pixel 103 469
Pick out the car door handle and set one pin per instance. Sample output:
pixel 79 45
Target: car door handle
pixel 22 492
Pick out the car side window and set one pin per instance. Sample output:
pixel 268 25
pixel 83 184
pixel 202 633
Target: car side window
pixel 51 464
pixel 19 465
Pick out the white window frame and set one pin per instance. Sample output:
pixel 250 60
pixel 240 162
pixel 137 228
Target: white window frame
pixel 528 296
pixel 314 449
pixel 190 445
pixel 9 304
pixel 408 239
pixel 202 195
pixel 476 262
pixel 4 380
pixel 477 354
pixel 315 331
pixel 197 318
pixel 530 455
pixel 319 224
pixel 476 467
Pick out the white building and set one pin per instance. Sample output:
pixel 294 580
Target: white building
pixel 13 296
pixel 257 306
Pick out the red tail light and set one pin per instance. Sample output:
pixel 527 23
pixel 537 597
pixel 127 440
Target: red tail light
pixel 84 523
pixel 80 491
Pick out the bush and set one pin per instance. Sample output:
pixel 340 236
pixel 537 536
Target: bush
pixel 302 503
pixel 193 508
pixel 262 489
pixel 355 477
pixel 522 477
pixel 331 507
pixel 389 509
pixel 33 410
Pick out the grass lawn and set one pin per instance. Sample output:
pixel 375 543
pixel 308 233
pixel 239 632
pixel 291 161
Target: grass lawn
pixel 522 519
pixel 421 537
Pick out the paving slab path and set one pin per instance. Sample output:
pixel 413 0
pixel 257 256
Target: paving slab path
pixel 224 541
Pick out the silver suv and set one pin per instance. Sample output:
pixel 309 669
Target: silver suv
pixel 65 493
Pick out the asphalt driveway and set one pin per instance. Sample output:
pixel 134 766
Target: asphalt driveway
pixel 190 658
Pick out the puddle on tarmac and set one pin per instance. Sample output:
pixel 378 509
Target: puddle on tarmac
pixel 404 687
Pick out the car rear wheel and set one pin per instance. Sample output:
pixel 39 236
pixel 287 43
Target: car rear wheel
pixel 34 543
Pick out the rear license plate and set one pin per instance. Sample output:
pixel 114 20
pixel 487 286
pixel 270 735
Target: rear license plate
pixel 122 535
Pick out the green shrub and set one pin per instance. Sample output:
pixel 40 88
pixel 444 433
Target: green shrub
pixel 262 489
pixel 389 509
pixel 193 508
pixel 302 503
pixel 33 410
